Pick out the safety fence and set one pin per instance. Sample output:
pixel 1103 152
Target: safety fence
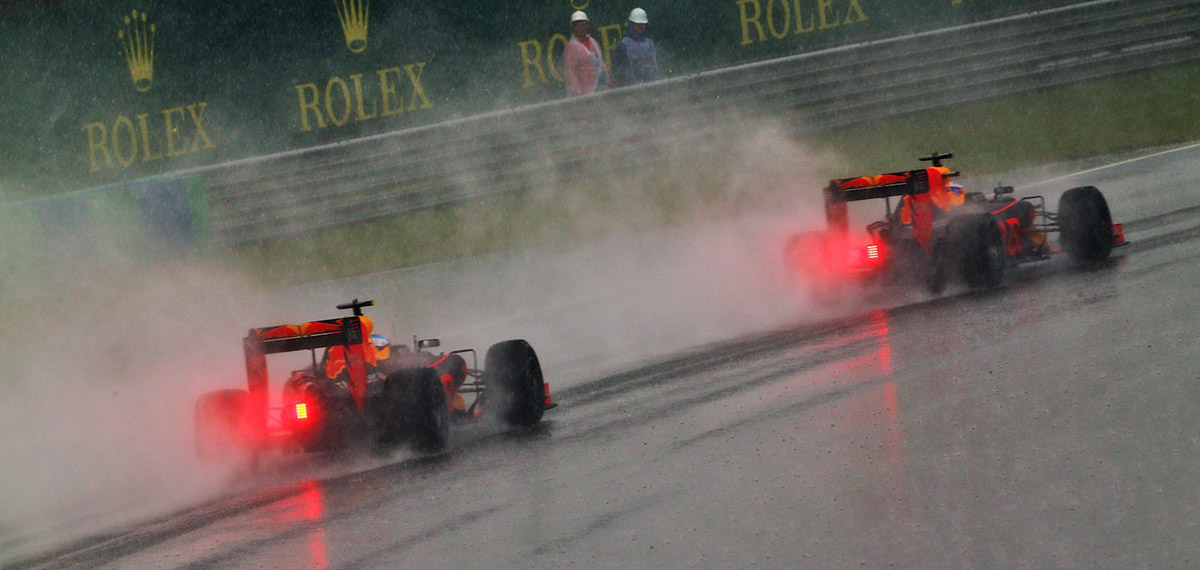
pixel 100 93
pixel 550 143
pixel 504 151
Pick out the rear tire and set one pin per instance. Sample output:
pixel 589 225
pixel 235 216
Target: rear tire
pixel 939 259
pixel 1086 224
pixel 394 428
pixel 516 390
pixel 419 410
pixel 982 258
pixel 220 423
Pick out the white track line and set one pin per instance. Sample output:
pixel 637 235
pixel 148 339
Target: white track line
pixel 1116 164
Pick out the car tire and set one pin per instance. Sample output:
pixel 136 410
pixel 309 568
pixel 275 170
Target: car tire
pixel 420 412
pixel 393 421
pixel 981 258
pixel 1085 224
pixel 516 390
pixel 940 257
pixel 220 423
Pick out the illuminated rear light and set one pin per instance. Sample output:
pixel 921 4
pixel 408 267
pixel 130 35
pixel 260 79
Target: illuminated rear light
pixel 872 251
pixel 302 411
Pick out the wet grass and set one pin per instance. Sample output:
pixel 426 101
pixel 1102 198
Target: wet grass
pixel 1086 120
pixel 1081 121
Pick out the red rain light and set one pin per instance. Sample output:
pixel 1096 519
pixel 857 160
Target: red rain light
pixel 873 251
pixel 302 411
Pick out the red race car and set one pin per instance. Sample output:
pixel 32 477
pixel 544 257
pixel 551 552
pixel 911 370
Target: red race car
pixel 933 231
pixel 364 389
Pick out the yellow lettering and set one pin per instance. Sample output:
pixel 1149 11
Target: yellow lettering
pixel 173 130
pixel 341 83
pixel 608 42
pixel 418 90
pixel 197 119
pixel 747 20
pixel 782 31
pixel 533 60
pixel 306 105
pixel 97 136
pixel 781 13
pixel 147 154
pixel 827 14
pixel 146 137
pixel 800 29
pixel 855 9
pixel 388 92
pixel 551 50
pixel 124 160
pixel 358 94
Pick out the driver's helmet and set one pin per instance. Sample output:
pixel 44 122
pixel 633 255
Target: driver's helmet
pixel 956 190
pixel 383 346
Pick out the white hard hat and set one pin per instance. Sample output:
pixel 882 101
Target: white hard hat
pixel 638 16
pixel 579 16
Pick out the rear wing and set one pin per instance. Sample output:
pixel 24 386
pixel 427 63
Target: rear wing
pixel 909 182
pixel 346 332
pixel 917 184
pixel 311 335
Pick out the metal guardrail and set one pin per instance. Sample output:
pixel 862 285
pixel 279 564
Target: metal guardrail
pixel 541 144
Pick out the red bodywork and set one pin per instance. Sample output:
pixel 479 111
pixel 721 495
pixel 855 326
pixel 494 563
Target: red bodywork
pixel 345 333
pixel 903 241
pixel 836 254
pixel 924 189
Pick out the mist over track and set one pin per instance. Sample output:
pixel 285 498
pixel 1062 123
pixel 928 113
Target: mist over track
pixel 711 417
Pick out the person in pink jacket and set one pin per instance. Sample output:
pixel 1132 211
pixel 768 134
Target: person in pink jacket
pixel 583 60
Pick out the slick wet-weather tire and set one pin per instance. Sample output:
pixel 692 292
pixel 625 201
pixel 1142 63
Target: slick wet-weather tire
pixel 1085 224
pixel 516 390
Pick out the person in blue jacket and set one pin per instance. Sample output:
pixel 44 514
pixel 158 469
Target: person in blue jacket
pixel 636 61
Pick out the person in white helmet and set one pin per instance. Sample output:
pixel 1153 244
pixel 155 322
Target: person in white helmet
pixel 583 61
pixel 636 60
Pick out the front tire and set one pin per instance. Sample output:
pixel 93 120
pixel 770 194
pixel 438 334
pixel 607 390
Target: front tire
pixel 516 390
pixel 1086 224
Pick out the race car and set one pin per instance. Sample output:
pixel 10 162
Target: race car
pixel 364 390
pixel 933 232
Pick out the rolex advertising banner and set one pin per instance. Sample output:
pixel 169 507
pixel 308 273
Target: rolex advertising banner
pixel 96 92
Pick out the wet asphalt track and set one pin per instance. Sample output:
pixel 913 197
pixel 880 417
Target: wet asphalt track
pixel 1053 423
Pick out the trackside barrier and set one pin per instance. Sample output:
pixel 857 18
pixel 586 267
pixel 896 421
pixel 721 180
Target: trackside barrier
pixel 302 191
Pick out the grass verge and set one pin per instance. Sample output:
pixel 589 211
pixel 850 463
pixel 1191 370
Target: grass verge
pixel 1085 120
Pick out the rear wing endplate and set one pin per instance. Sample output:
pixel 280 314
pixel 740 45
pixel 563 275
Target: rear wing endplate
pixel 919 185
pixel 346 332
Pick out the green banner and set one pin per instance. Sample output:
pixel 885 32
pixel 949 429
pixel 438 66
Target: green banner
pixel 96 93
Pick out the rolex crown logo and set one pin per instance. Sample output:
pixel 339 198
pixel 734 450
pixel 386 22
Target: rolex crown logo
pixel 137 43
pixel 353 15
